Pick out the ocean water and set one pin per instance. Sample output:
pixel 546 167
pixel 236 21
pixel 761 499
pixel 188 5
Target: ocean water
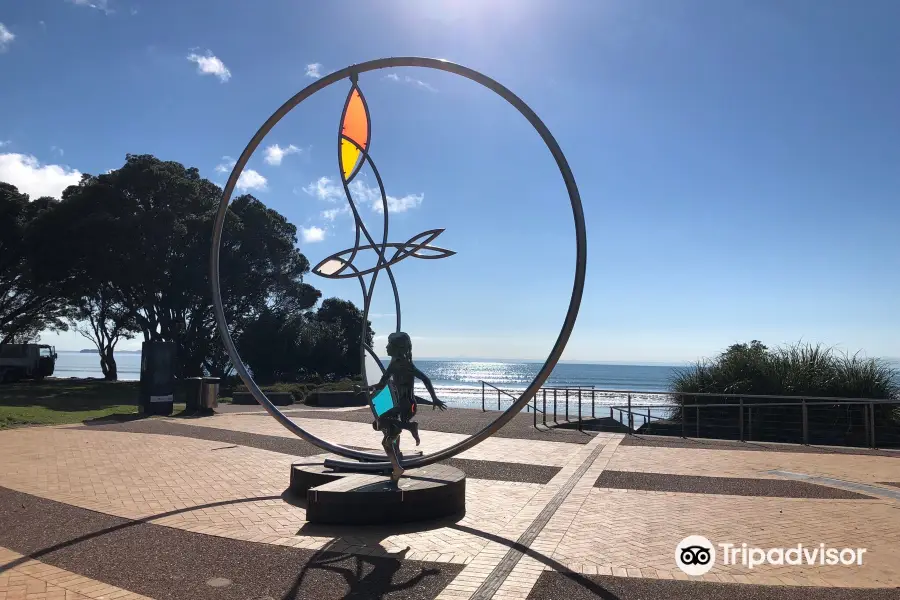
pixel 458 382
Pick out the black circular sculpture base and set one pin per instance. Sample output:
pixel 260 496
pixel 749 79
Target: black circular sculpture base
pixel 347 498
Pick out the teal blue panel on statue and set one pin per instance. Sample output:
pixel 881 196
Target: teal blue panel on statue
pixel 383 402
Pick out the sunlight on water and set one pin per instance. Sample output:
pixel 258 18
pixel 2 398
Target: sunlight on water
pixel 458 383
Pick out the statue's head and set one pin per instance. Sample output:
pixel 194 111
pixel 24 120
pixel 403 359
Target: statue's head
pixel 399 345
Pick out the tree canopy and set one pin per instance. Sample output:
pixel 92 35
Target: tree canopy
pixel 126 254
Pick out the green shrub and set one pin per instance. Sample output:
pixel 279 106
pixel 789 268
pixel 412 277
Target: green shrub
pixel 801 370
pixel 301 390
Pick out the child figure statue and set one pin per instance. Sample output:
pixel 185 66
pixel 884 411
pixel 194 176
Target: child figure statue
pixel 401 374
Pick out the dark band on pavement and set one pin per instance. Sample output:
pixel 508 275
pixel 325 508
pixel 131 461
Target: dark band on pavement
pixel 726 486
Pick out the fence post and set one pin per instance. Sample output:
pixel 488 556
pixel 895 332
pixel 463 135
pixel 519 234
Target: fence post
pixel 567 405
pixel 866 423
pixel 610 412
pixel 698 421
pixel 554 407
pixel 683 418
pixel 579 409
pixel 741 418
pixel 872 421
pixel 630 417
pixel 545 408
pixel 482 396
pixel 534 399
pixel 498 399
pixel 593 414
pixel 648 415
pixel 749 423
pixel 805 422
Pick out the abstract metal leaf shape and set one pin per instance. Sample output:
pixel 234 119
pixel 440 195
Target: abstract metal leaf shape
pixel 334 266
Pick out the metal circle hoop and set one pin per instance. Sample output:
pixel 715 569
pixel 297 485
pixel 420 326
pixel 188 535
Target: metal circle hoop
pixel 580 257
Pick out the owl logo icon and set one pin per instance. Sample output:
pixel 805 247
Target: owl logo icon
pixel 695 555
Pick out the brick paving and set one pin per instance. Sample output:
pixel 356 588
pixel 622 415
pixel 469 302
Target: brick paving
pixel 509 538
pixel 34 580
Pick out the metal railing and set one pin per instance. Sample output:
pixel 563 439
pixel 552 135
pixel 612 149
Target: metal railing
pixel 744 417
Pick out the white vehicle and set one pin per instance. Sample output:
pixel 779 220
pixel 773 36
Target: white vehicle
pixel 26 361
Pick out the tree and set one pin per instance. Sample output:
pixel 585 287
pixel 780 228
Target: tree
pixel 285 345
pixel 80 247
pixel 349 320
pixel 26 308
pixel 137 244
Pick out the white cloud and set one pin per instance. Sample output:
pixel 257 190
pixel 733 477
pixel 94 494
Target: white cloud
pixel 324 188
pixel 332 213
pixel 6 37
pixel 251 180
pixel 4 143
pixel 102 5
pixel 364 195
pixel 26 173
pixel 210 65
pixel 314 70
pixel 412 81
pixel 398 205
pixel 58 150
pixel 312 234
pixel 275 153
pixel 226 166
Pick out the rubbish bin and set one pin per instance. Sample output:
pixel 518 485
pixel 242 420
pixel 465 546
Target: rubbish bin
pixel 209 394
pixel 157 387
pixel 193 387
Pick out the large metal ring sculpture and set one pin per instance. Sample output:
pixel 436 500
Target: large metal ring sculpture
pixel 356 155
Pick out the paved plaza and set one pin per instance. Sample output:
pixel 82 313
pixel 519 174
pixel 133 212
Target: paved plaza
pixel 196 508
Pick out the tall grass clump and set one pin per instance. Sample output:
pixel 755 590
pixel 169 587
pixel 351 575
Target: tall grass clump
pixel 801 370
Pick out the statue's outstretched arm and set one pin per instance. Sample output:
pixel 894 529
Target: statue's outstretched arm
pixel 424 379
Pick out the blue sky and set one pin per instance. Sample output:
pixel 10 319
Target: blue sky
pixel 738 161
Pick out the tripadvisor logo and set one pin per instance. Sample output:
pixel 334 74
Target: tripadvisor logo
pixel 695 555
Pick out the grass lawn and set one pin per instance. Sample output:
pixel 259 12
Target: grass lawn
pixel 57 402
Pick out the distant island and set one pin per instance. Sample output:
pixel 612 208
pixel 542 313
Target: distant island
pixel 94 351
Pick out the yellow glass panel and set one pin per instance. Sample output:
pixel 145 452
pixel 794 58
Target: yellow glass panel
pixel 356 124
pixel 349 156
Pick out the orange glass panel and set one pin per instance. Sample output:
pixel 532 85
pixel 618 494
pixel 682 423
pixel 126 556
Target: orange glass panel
pixel 356 124
pixel 349 157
